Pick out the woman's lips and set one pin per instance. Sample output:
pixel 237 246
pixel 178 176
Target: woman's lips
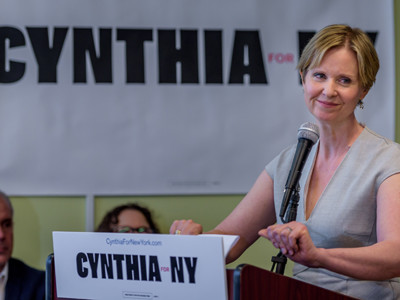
pixel 326 103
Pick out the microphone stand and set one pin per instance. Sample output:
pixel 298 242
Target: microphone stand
pixel 279 261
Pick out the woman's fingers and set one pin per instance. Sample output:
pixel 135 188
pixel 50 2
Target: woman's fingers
pixel 185 227
pixel 283 237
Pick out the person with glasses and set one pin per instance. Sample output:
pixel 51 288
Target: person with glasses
pixel 128 218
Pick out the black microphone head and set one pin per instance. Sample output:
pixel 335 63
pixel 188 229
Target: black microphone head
pixel 308 131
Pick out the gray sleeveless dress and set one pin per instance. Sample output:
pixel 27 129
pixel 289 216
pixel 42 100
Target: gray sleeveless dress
pixel 345 214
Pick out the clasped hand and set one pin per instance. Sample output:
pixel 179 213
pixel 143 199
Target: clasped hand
pixel 294 241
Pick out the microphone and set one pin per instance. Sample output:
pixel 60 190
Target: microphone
pixel 307 135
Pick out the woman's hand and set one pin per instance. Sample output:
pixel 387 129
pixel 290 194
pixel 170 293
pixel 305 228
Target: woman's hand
pixel 185 227
pixel 294 241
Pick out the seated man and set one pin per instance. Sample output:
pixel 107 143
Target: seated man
pixel 17 280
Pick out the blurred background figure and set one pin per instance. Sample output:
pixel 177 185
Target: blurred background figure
pixel 17 280
pixel 128 218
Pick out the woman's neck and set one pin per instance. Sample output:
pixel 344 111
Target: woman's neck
pixel 336 140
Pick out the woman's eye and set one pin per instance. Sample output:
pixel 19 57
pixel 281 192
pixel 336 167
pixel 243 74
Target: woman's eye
pixel 345 80
pixel 319 75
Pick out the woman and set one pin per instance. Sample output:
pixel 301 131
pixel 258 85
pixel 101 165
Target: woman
pixel 131 218
pixel 347 234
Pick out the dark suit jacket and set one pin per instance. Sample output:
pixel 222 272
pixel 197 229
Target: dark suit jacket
pixel 24 282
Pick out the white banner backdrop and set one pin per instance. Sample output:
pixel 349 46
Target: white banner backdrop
pixel 163 97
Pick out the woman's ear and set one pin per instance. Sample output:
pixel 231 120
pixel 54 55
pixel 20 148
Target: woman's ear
pixel 364 93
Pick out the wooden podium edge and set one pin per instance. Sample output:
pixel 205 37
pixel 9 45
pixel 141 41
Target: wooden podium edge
pixel 248 282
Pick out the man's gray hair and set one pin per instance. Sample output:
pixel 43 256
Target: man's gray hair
pixel 5 197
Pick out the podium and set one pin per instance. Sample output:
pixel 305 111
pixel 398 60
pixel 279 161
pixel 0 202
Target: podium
pixel 248 282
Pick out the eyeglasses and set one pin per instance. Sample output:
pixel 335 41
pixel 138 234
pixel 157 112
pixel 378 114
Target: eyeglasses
pixel 128 229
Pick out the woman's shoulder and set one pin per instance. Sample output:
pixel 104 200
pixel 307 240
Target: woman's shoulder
pixel 379 142
pixel 378 152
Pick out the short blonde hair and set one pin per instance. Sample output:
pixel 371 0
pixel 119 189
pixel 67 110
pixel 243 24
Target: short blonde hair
pixel 339 35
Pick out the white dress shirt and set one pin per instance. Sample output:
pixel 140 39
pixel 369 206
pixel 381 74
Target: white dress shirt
pixel 3 281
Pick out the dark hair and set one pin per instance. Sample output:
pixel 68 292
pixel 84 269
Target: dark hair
pixel 111 218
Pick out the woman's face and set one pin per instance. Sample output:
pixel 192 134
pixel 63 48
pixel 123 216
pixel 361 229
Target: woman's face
pixel 332 90
pixel 132 220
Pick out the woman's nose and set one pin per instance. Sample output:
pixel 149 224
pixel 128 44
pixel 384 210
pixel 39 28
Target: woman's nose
pixel 330 88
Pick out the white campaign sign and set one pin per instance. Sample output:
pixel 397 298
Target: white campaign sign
pixel 103 97
pixel 140 266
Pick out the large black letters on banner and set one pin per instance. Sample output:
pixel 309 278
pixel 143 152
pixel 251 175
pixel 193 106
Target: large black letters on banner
pixel 134 39
pixel 47 56
pixel 174 50
pixel 249 40
pixel 16 70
